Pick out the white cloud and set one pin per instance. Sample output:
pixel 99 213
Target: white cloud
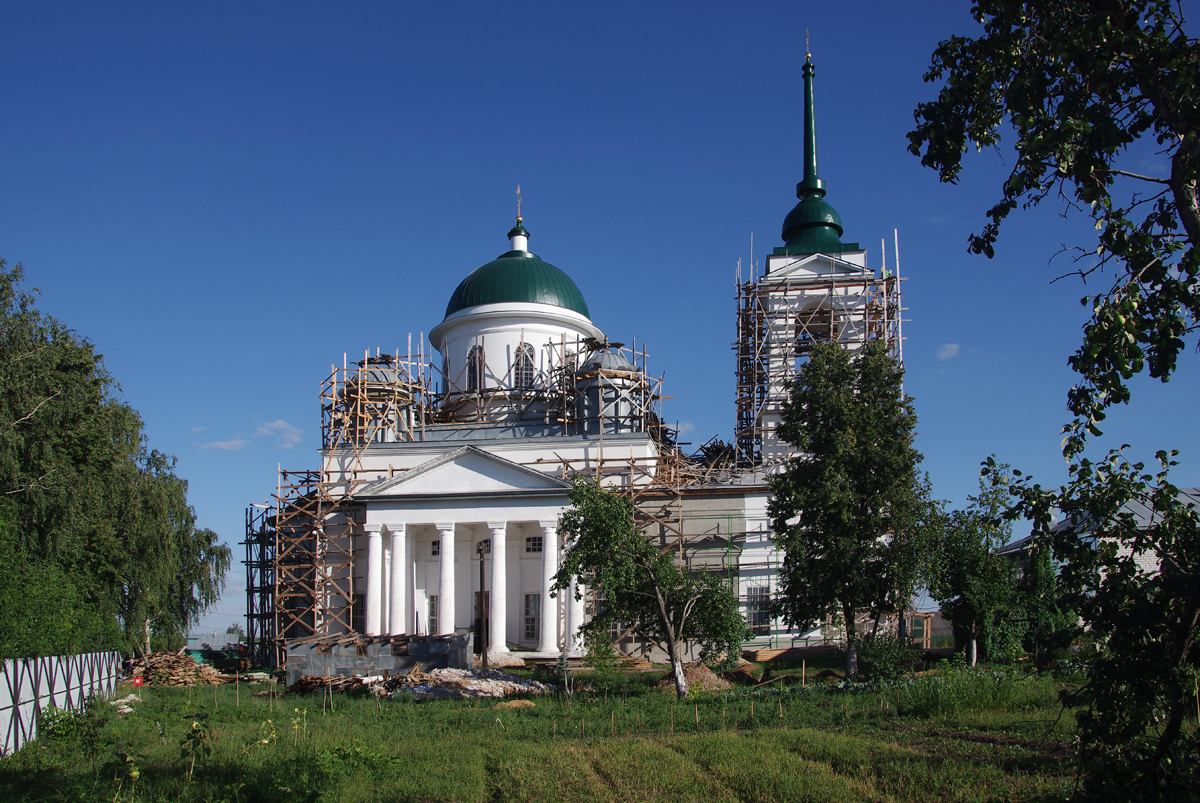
pixel 685 427
pixel 288 435
pixel 198 429
pixel 227 446
pixel 947 351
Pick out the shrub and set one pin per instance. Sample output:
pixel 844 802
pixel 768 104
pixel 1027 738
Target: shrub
pixel 883 658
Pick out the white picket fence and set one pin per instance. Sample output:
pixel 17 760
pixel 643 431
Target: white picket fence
pixel 28 685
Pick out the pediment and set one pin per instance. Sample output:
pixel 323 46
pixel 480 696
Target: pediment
pixel 468 471
pixel 814 265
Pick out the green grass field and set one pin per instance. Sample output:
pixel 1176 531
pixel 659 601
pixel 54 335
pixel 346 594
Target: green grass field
pixel 959 735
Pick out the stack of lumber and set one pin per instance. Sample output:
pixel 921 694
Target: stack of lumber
pixel 173 669
pixel 310 683
pixel 785 653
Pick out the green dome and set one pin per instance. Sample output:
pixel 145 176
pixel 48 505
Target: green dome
pixel 517 276
pixel 812 223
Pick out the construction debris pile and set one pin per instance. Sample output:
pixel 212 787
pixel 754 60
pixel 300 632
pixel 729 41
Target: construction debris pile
pixel 174 669
pixel 125 704
pixel 436 684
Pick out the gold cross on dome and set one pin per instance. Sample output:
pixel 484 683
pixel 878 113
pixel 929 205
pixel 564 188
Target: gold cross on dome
pixel 518 202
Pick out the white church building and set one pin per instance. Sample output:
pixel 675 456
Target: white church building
pixel 445 467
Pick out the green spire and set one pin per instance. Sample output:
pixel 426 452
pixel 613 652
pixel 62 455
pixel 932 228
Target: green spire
pixel 813 226
pixel 812 184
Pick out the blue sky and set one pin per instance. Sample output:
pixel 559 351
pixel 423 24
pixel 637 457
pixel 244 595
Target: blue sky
pixel 225 198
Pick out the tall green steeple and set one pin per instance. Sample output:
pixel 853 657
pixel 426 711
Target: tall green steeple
pixel 813 226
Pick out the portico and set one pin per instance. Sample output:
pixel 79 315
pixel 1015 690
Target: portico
pixel 428 528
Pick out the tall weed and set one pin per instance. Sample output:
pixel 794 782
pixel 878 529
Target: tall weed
pixel 957 688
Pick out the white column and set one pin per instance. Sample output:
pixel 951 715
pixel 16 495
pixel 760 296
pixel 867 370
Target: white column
pixel 397 592
pixel 446 589
pixel 385 586
pixel 548 640
pixel 374 598
pixel 498 621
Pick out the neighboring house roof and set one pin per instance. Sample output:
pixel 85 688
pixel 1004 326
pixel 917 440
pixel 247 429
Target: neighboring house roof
pixel 1016 547
pixel 213 640
pixel 1143 516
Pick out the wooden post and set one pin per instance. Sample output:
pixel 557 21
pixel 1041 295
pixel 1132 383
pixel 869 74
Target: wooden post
pixel 697 706
pixel 804 672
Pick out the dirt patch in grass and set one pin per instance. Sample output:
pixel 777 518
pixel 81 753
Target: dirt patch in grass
pixel 743 675
pixel 938 743
pixel 699 679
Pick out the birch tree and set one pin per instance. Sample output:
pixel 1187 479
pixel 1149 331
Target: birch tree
pixel 644 587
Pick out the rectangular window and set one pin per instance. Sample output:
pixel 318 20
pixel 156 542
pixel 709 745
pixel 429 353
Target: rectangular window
pixel 758 610
pixel 533 617
pixel 436 547
pixel 433 613
pixel 533 544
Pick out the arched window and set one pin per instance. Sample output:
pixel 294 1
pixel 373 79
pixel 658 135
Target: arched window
pixel 474 369
pixel 523 367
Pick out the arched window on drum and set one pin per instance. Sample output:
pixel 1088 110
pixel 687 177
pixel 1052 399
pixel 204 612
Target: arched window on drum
pixel 524 370
pixel 474 369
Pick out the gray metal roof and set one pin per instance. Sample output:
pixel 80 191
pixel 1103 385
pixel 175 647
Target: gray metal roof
pixel 1142 516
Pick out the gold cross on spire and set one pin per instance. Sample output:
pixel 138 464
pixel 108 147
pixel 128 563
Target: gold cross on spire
pixel 518 203
pixel 807 50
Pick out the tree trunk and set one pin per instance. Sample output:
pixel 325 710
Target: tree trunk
pixel 972 650
pixel 851 643
pixel 146 631
pixel 681 686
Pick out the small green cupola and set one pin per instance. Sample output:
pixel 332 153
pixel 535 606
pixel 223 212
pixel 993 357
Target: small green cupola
pixel 813 226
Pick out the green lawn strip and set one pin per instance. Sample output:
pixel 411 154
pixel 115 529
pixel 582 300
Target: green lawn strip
pixel 546 771
pixel 363 750
pixel 909 766
pixel 761 770
pixel 648 770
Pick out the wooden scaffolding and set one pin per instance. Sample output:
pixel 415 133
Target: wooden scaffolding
pixel 299 546
pixel 779 320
